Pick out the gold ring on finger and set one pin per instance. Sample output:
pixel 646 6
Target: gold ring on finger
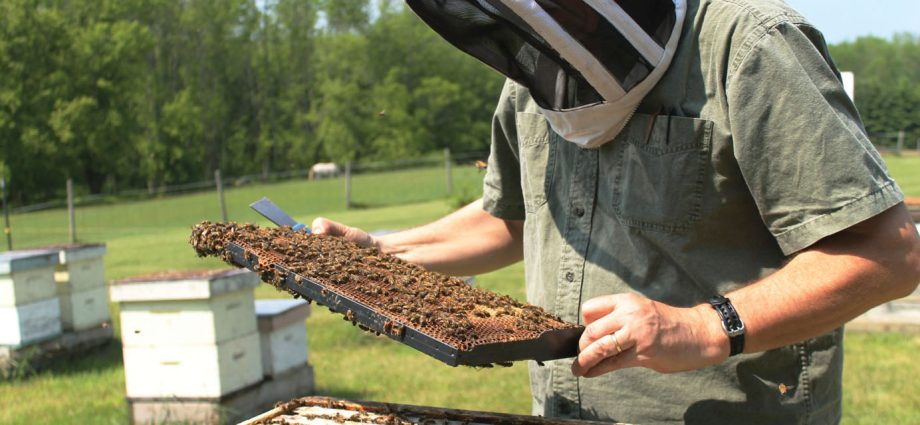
pixel 616 343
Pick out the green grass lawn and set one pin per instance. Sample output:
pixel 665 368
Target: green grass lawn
pixel 151 235
pixel 906 171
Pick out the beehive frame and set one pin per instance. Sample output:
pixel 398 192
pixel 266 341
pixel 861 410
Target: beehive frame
pixel 507 331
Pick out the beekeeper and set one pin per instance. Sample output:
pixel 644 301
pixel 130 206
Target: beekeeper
pixel 689 180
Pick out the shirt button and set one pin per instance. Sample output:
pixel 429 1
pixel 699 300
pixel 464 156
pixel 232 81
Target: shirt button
pixel 569 276
pixel 579 211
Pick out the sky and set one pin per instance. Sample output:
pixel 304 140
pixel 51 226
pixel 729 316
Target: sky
pixel 845 20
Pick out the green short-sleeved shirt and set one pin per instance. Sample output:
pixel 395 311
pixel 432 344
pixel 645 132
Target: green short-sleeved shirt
pixel 747 152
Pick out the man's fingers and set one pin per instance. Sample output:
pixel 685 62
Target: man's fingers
pixel 610 364
pixel 598 307
pixel 598 329
pixel 324 226
pixel 610 345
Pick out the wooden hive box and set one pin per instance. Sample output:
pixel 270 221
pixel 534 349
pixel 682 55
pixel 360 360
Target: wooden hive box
pixel 30 323
pixel 80 278
pixel 283 334
pixel 29 310
pixel 192 371
pixel 189 334
pixel 85 309
pixel 27 277
pixel 81 267
pixel 332 411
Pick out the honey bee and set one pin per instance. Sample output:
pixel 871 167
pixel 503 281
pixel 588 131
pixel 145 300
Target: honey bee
pixel 481 165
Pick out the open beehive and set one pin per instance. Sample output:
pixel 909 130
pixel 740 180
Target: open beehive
pixel 331 411
pixel 439 315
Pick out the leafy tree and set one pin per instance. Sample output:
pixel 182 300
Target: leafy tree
pixel 886 91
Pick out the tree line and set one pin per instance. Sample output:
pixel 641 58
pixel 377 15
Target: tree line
pixel 887 91
pixel 120 94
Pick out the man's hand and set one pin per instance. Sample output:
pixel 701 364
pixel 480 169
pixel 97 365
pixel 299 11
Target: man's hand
pixel 817 291
pixel 628 330
pixel 468 241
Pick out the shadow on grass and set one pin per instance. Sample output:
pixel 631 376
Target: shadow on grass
pixel 96 359
pixel 348 394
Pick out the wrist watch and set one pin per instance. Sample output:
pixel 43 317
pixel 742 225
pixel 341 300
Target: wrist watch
pixel 731 323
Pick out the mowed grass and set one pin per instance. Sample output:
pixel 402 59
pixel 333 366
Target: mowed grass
pixel 906 171
pixel 151 236
pixel 302 199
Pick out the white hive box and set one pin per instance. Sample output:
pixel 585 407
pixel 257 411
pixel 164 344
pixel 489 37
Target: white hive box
pixel 84 310
pixel 30 323
pixel 29 310
pixel 27 277
pixel 192 371
pixel 81 267
pixel 189 334
pixel 202 308
pixel 283 334
pixel 80 279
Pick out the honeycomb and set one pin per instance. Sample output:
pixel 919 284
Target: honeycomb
pixel 442 307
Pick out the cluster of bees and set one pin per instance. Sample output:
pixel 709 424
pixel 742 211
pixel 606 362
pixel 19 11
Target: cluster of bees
pixel 445 307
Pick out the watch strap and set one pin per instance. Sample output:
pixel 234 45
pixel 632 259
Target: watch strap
pixel 731 323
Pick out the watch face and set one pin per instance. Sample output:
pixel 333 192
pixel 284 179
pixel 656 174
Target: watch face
pixel 718 299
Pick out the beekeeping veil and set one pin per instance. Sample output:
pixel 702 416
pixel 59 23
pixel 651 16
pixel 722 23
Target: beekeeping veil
pixel 587 63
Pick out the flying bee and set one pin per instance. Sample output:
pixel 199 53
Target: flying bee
pixel 481 165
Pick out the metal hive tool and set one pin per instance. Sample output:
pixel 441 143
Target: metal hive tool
pixel 499 339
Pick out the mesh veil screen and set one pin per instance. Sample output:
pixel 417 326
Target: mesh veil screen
pixel 487 30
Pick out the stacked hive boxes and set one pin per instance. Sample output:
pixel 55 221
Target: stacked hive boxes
pixel 80 279
pixel 29 308
pixel 189 335
pixel 283 335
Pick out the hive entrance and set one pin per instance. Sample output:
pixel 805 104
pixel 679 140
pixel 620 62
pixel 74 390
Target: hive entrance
pixel 384 294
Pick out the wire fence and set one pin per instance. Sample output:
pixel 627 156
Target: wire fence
pixel 147 214
pixel 358 168
pixel 897 142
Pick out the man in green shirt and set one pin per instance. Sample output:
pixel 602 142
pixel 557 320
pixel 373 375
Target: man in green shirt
pixel 745 172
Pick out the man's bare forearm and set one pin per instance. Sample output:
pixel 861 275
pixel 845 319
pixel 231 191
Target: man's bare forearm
pixel 468 241
pixel 831 283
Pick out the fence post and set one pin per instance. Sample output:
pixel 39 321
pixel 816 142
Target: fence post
pixel 220 195
pixel 900 142
pixel 6 216
pixel 449 171
pixel 348 185
pixel 71 217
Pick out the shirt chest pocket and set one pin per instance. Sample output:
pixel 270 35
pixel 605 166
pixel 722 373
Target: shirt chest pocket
pixel 660 167
pixel 537 158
